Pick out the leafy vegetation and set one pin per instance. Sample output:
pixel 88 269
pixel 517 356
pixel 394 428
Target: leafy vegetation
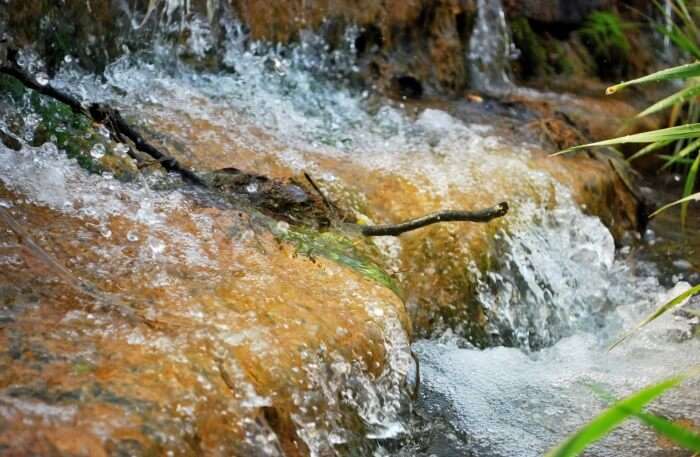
pixel 630 407
pixel 683 136
pixel 604 35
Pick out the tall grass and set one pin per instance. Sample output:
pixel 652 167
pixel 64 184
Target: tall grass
pixel 683 134
pixel 683 137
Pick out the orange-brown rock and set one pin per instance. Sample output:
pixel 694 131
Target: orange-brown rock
pixel 437 266
pixel 238 345
pixel 425 41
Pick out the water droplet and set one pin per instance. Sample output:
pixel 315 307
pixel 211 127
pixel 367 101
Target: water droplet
pixel 104 131
pixel 68 58
pixel 42 78
pixel 105 232
pixel 131 236
pixel 121 149
pixel 97 151
pixel 156 245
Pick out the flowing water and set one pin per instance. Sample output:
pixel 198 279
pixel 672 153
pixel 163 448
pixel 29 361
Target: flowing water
pixel 491 49
pixel 556 295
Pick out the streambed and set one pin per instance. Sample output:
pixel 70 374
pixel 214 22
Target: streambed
pixel 304 355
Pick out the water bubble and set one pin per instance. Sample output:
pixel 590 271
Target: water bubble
pixel 42 78
pixel 97 151
pixel 104 131
pixel 131 236
pixel 68 58
pixel 105 232
pixel 156 245
pixel 121 149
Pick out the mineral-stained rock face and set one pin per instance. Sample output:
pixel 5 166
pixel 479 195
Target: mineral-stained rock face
pixel 417 39
pixel 237 347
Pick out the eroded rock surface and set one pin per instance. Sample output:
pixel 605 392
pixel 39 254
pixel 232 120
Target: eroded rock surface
pixel 238 346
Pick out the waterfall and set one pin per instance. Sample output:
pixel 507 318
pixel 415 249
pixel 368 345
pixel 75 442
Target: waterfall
pixel 490 49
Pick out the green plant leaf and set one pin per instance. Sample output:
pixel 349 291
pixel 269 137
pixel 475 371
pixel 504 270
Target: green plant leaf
pixel 669 134
pixel 689 187
pixel 689 198
pixel 659 312
pixel 679 97
pixel 649 148
pixel 676 433
pixel 611 418
pixel 690 147
pixel 680 72
pixel 666 157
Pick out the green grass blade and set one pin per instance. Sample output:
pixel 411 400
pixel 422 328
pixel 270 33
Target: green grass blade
pixel 690 147
pixel 659 312
pixel 648 148
pixel 611 418
pixel 681 72
pixel 679 97
pixel 689 187
pixel 676 433
pixel 666 157
pixel 689 198
pixel 669 134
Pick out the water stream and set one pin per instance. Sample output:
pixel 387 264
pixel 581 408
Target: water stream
pixel 557 294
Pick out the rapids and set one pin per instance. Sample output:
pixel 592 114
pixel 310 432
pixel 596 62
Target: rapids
pixel 554 294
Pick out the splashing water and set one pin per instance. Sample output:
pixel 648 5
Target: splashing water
pixel 491 49
pixel 557 292
pixel 559 287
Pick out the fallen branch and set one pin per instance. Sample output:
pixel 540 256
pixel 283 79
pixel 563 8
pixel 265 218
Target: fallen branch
pixel 483 215
pixel 120 130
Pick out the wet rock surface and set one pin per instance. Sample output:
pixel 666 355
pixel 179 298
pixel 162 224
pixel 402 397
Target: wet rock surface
pixel 253 336
pixel 239 346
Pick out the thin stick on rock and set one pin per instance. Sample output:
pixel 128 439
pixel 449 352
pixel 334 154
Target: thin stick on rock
pixel 483 215
pixel 112 119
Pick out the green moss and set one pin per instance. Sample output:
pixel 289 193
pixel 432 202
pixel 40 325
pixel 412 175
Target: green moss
pixel 533 55
pixel 559 61
pixel 11 88
pixel 355 254
pixel 58 124
pixel 603 33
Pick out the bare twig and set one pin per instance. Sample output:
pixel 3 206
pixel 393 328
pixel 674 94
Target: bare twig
pixel 112 119
pixel 483 215
pixel 329 205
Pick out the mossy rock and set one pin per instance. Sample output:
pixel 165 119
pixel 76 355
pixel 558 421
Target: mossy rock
pixel 358 254
pixel 533 55
pixel 69 131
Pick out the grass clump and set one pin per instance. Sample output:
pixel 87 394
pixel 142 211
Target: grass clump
pixel 603 33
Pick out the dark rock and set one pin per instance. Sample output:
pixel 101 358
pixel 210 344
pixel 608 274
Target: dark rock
pixel 557 11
